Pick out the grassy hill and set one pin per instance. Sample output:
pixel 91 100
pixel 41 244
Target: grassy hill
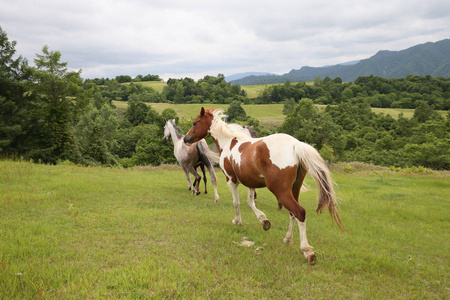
pixel 70 232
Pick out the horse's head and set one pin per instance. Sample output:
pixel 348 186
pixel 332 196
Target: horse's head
pixel 167 125
pixel 200 127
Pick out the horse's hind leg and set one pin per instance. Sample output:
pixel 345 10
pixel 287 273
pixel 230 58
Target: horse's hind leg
pixel 205 180
pixel 259 214
pixel 297 212
pixel 198 178
pixel 304 246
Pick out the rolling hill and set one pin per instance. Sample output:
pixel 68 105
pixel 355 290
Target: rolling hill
pixel 424 59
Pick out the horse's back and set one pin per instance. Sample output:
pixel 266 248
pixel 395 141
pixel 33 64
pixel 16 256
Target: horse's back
pixel 282 149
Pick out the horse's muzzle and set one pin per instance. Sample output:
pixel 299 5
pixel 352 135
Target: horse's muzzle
pixel 187 140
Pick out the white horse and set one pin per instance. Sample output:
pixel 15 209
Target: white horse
pixel 191 157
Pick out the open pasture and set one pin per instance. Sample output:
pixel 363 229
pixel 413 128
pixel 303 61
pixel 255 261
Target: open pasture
pixel 156 85
pixel 70 232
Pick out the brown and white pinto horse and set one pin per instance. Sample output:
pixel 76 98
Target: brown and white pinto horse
pixel 278 162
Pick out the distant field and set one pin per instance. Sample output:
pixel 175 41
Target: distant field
pixel 71 232
pixel 157 85
pixel 270 115
pixel 253 91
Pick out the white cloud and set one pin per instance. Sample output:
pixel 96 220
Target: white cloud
pixel 194 38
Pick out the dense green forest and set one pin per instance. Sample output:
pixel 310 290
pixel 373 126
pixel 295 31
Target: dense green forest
pixel 51 115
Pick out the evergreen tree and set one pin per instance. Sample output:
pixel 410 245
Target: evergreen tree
pixel 60 101
pixel 13 99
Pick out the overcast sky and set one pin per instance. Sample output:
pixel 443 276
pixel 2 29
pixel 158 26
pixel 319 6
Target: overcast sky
pixel 194 38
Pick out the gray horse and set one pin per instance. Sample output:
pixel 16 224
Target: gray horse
pixel 190 158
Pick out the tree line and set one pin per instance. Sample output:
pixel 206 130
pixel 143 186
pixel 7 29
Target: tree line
pixel 407 92
pixel 380 92
pixel 51 115
pixel 210 89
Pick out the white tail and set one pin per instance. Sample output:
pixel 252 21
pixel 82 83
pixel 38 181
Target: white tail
pixel 315 164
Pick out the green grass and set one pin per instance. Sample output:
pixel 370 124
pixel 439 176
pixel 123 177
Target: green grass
pixel 253 91
pixel 69 232
pixel 156 85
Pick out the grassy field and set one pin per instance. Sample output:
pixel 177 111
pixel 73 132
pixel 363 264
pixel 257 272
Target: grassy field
pixel 270 115
pixel 267 114
pixel 70 232
pixel 156 85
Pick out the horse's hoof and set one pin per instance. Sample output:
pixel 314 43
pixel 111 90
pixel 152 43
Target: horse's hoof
pixel 266 225
pixel 287 241
pixel 311 259
pixel 235 222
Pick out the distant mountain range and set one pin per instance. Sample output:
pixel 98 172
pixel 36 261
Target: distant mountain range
pixel 246 74
pixel 424 59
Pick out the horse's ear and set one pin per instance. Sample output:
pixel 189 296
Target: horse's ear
pixel 202 112
pixel 165 121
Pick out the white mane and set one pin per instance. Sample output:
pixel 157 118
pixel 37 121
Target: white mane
pixel 220 128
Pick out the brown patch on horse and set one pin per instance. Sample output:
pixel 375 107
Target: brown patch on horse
pixel 284 183
pixel 243 146
pixel 251 175
pixel 233 143
pixel 229 171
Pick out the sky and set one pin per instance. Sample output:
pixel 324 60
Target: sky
pixel 177 39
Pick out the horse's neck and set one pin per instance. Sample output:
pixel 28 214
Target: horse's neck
pixel 221 138
pixel 176 137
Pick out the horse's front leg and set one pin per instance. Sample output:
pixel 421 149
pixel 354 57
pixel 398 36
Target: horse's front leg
pixel 235 192
pixel 196 185
pixel 212 174
pixel 259 214
pixel 188 177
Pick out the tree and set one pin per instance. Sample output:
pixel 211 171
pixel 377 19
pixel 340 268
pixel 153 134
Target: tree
pixel 235 112
pixel 302 122
pixel 59 102
pixel 169 113
pixel 13 102
pixel 423 112
pixel 288 106
pixel 136 112
pixel 96 133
